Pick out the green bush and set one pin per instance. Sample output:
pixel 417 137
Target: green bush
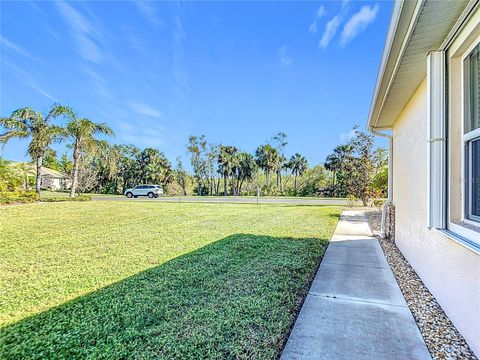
pixel 18 197
pixel 66 198
pixel 378 203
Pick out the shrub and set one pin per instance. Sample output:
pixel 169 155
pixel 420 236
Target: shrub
pixel 66 198
pixel 18 197
pixel 378 203
pixel 351 201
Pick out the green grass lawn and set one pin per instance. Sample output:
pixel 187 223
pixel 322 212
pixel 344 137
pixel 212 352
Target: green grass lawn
pixel 155 280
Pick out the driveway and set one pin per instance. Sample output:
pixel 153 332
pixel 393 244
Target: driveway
pixel 232 199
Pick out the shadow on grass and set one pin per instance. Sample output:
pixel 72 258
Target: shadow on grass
pixel 235 298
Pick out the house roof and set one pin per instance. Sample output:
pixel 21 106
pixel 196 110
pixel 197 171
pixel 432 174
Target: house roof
pixel 46 172
pixel 417 27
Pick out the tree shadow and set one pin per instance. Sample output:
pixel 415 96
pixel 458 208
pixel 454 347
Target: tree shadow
pixel 235 298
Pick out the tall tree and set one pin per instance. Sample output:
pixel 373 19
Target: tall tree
pixel 82 133
pixel 245 170
pixel 335 163
pixel 50 160
pixel 227 161
pixel 211 161
pixel 66 165
pixel 197 147
pixel 129 169
pixel 26 122
pixel 109 158
pixel 267 159
pixel 279 141
pixel 155 167
pixel 360 166
pixel 181 176
pixel 298 164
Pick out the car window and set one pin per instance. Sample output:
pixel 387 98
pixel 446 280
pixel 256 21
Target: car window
pixel 140 187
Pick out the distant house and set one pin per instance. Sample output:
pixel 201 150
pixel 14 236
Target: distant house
pixel 53 179
pixel 427 97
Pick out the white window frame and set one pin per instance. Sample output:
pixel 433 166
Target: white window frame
pixel 471 237
pixel 467 137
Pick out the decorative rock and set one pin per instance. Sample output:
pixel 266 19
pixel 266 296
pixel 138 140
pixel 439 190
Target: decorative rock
pixel 442 338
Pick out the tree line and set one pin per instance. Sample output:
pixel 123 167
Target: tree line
pixel 240 172
pixel 95 165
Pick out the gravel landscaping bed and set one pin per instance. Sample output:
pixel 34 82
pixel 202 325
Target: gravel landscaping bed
pixel 442 338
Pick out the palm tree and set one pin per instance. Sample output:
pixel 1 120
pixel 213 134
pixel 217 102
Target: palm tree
pixel 335 162
pixel 82 132
pixel 279 141
pixel 110 157
pixel 298 164
pixel 26 122
pixel 268 159
pixel 244 170
pixel 25 171
pixel 227 161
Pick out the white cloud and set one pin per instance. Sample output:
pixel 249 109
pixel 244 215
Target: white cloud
pixel 283 57
pixel 358 23
pixel 149 12
pixel 179 70
pixel 314 26
pixel 99 85
pixel 7 44
pixel 144 134
pixel 29 80
pixel 144 109
pixel 330 31
pixel 85 33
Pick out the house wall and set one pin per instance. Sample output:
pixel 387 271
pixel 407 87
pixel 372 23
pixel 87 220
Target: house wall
pixel 448 269
pixel 54 183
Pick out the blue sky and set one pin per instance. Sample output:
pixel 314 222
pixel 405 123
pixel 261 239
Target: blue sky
pixel 157 72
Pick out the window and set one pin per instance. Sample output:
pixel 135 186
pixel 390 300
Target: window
pixel 471 137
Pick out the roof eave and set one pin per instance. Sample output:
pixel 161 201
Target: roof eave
pixel 404 16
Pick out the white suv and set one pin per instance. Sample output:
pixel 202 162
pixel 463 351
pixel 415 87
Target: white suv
pixel 144 190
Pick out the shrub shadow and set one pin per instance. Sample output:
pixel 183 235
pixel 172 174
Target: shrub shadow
pixel 235 298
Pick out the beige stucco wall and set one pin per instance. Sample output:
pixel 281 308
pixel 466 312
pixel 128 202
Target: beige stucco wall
pixel 448 269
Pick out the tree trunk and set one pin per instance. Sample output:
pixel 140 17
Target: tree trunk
pixel 267 178
pixel 234 186
pixel 75 171
pixel 224 184
pixel 334 177
pixel 280 180
pixel 39 167
pixel 295 184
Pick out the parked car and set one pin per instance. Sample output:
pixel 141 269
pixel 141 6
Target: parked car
pixel 152 191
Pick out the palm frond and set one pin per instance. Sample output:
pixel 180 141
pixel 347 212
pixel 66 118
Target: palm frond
pixel 60 110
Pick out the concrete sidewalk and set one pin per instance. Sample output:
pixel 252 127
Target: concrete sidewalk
pixel 355 309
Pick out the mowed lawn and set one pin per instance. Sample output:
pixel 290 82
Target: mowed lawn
pixel 155 280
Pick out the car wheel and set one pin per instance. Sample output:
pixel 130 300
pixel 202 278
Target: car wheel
pixel 135 196
pixel 150 195
pixel 129 195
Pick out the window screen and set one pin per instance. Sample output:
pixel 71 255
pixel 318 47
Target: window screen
pixel 473 120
